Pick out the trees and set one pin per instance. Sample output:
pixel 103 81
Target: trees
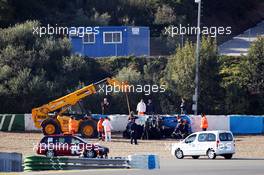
pixel 34 70
pixel 254 67
pixel 243 82
pixel 253 73
pixel 181 72
pixel 235 97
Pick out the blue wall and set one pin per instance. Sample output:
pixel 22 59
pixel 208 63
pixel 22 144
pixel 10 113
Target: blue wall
pixel 246 124
pixel 132 44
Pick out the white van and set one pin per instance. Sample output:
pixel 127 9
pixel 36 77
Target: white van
pixel 210 143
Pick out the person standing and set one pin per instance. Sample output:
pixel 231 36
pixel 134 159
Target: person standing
pixel 133 132
pixel 100 128
pixel 204 122
pixel 141 107
pixel 150 107
pixel 105 106
pixel 107 129
pixel 183 106
pixel 73 125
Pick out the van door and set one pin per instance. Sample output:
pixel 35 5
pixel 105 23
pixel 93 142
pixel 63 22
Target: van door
pixel 202 143
pixel 189 145
pixel 226 142
pixel 206 141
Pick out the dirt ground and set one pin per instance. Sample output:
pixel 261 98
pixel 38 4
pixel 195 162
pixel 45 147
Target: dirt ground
pixel 246 146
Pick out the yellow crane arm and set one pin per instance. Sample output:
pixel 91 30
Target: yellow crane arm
pixel 41 113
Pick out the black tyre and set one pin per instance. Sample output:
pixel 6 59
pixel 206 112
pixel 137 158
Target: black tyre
pixel 50 153
pixel 211 154
pixel 90 154
pixel 228 156
pixel 179 154
pixel 106 156
pixel 195 157
pixel 88 129
pixel 50 127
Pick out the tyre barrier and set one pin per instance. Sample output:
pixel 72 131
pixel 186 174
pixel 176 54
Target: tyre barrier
pixel 144 161
pixel 40 163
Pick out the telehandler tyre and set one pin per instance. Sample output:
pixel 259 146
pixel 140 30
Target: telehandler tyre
pixel 50 127
pixel 88 129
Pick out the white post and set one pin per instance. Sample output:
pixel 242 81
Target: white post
pixel 196 95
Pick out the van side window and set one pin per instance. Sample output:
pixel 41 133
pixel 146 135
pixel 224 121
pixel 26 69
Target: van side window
pixel 190 139
pixel 211 137
pixel 202 137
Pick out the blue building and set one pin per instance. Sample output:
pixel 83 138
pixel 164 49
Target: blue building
pixel 112 41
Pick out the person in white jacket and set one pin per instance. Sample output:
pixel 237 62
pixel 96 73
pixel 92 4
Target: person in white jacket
pixel 107 129
pixel 141 107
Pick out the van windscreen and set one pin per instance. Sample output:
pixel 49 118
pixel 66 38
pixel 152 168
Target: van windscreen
pixel 225 137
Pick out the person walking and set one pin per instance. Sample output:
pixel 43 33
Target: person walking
pixel 204 122
pixel 133 132
pixel 183 106
pixel 107 129
pixel 105 106
pixel 141 107
pixel 150 107
pixel 100 128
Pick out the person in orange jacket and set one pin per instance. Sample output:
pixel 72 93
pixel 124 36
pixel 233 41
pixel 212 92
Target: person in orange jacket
pixel 73 125
pixel 100 128
pixel 204 122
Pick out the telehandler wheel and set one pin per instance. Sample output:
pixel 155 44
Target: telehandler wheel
pixel 50 128
pixel 88 129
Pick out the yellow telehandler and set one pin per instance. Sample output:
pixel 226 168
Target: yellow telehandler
pixel 54 117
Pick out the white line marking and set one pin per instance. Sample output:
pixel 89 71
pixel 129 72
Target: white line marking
pixel 11 122
pixel 2 121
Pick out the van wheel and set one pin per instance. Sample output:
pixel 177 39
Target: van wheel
pixel 179 154
pixel 195 157
pixel 211 154
pixel 228 156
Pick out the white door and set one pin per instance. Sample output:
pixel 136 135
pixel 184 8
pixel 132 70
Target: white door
pixel 189 145
pixel 205 141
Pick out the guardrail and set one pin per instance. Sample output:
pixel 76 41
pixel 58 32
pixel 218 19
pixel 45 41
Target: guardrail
pixel 39 163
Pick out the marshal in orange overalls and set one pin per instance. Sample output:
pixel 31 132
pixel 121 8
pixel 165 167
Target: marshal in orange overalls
pixel 73 126
pixel 204 123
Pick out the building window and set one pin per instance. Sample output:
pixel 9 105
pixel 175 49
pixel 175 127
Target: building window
pixel 89 38
pixel 112 37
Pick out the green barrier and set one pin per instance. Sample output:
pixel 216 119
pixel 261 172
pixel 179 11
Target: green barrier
pixel 42 158
pixel 12 122
pixel 39 163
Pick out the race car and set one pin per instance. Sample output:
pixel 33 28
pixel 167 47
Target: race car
pixel 69 145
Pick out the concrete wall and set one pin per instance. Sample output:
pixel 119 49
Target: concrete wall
pixel 238 124
pixel 215 122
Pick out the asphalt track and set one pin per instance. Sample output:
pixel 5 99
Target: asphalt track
pixel 186 166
